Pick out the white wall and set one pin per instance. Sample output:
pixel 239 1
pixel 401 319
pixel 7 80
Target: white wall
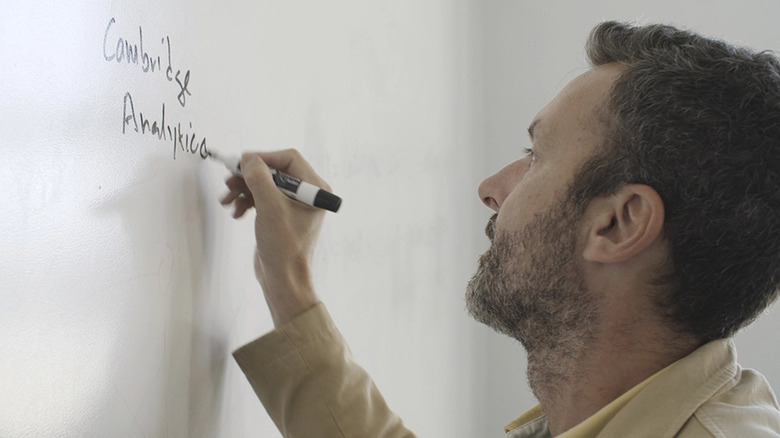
pixel 532 49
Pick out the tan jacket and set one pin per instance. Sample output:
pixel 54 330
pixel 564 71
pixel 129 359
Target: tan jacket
pixel 703 395
pixel 306 378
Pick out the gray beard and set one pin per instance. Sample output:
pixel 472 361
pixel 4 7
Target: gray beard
pixel 528 287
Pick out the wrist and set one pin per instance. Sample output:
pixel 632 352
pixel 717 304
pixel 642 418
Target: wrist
pixel 287 287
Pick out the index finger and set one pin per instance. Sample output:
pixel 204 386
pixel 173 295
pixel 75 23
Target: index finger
pixel 291 162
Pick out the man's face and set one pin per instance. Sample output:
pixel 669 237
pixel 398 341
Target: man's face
pixel 529 283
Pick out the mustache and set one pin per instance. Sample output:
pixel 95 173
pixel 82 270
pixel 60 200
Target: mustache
pixel 490 228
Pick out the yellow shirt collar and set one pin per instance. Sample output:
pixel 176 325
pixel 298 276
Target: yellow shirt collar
pixel 592 425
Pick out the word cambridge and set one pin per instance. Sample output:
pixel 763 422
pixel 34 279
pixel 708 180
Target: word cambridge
pixel 134 54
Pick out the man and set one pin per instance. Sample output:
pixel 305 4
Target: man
pixel 638 234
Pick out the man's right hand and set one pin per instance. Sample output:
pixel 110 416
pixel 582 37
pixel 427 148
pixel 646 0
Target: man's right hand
pixel 286 230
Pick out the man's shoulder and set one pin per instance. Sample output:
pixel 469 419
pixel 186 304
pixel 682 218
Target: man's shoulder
pixel 748 408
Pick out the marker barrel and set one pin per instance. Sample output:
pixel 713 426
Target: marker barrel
pixel 305 192
pixel 291 186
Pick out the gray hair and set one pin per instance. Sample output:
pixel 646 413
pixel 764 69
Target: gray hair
pixel 698 120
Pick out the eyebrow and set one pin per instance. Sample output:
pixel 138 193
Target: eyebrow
pixel 532 128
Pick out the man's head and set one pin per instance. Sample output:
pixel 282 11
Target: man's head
pixel 691 124
pixel 698 120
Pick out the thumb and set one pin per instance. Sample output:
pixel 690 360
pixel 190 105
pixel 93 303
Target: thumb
pixel 258 178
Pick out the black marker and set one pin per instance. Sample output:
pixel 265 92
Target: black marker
pixel 291 186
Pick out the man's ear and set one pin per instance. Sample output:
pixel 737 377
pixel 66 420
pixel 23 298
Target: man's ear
pixel 622 225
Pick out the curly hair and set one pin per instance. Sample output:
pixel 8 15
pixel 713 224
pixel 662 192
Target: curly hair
pixel 698 120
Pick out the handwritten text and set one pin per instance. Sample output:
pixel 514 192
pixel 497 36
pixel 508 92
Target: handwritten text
pixel 183 140
pixel 135 54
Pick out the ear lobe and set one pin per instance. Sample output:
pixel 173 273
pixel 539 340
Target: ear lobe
pixel 624 224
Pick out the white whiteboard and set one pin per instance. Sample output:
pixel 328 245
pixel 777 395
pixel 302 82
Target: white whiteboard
pixel 125 286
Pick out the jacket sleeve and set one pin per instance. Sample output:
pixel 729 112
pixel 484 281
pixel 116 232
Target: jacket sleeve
pixel 310 385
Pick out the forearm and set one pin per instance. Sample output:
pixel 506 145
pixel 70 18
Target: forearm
pixel 311 386
pixel 288 288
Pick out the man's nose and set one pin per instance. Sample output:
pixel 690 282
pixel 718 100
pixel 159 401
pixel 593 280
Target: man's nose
pixel 487 191
pixel 494 189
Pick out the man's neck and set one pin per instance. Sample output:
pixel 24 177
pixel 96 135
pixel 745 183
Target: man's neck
pixel 571 388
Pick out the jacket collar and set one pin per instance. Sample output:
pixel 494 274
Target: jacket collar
pixel 675 395
pixel 667 402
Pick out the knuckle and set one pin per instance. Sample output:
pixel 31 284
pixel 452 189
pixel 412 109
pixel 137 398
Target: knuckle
pixel 295 153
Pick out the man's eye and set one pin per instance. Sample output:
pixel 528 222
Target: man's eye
pixel 529 151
